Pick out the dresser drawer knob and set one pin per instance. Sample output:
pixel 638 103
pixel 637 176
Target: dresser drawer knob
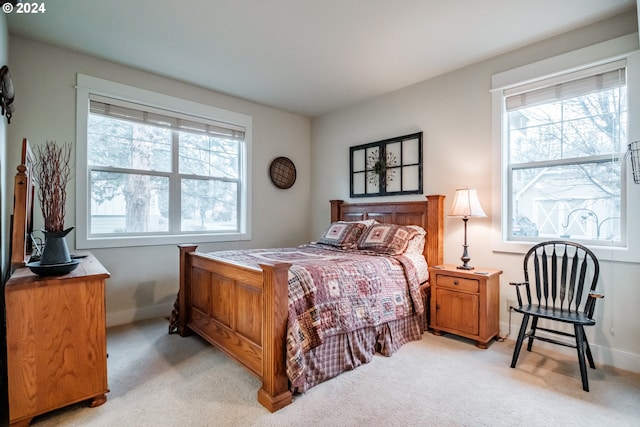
pixel 455 282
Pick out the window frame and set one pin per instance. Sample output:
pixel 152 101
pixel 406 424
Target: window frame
pixel 622 48
pixel 87 86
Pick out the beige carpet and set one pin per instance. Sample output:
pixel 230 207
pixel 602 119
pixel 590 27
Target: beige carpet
pixel 165 380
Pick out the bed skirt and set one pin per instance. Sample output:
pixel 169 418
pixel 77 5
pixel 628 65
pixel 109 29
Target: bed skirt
pixel 345 352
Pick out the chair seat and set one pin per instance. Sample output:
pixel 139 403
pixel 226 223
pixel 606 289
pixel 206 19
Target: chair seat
pixel 564 315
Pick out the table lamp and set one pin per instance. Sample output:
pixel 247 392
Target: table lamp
pixel 466 205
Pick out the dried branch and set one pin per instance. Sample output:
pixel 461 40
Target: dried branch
pixel 53 173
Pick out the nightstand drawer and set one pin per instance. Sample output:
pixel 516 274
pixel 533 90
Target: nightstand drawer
pixel 458 283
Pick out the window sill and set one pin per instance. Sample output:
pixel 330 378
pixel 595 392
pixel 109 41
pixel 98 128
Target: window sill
pixel 604 253
pixel 133 241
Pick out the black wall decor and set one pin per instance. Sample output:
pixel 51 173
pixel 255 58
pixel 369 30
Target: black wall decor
pixel 389 167
pixel 7 94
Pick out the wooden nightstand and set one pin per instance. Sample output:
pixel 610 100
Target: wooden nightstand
pixel 56 340
pixel 465 302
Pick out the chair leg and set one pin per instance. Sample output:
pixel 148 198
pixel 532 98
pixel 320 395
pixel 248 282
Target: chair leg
pixel 532 334
pixel 581 350
pixel 523 330
pixel 588 351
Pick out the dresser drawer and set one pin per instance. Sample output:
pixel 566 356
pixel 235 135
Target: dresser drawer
pixel 458 283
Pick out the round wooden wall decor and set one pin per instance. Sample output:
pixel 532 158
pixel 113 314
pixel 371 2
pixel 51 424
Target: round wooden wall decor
pixel 282 172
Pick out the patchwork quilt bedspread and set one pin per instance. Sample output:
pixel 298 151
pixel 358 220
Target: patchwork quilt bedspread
pixel 334 291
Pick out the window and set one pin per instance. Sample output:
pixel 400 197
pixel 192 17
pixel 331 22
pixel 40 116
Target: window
pixel 156 174
pixel 562 139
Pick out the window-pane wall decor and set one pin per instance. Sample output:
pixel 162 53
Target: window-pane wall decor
pixel 389 167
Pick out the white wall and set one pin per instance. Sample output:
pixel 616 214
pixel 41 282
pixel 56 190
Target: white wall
pixel 454 112
pixel 144 280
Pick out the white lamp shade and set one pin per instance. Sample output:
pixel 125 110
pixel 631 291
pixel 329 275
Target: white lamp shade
pixel 466 204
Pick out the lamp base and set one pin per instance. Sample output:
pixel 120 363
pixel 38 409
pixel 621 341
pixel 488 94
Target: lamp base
pixel 465 258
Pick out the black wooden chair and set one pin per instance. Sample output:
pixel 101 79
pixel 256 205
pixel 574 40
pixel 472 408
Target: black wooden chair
pixel 562 289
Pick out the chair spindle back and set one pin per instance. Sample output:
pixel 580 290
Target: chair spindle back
pixel 563 274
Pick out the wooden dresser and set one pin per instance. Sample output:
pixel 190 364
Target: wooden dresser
pixel 56 340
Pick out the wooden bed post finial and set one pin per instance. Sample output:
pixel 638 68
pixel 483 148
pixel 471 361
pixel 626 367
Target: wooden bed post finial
pixel 335 209
pixel 435 227
pixel 184 292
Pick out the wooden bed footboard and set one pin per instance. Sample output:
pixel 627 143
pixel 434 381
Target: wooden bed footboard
pixel 241 310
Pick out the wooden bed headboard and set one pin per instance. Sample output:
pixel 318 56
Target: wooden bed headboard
pixel 429 214
pixel 22 218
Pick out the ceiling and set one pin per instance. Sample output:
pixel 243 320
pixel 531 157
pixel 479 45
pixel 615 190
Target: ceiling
pixel 307 57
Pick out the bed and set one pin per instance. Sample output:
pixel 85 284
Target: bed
pixel 243 308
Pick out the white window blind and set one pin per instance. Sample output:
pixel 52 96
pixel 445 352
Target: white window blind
pixel 143 114
pixel 570 85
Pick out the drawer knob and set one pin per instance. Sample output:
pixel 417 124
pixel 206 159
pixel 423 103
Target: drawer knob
pixel 455 282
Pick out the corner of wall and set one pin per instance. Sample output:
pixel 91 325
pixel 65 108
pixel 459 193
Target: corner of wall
pixel 4 172
pixel 4 231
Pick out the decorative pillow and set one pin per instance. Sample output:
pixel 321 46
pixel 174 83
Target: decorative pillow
pixel 422 269
pixel 419 229
pixel 415 245
pixel 389 239
pixel 417 242
pixel 343 234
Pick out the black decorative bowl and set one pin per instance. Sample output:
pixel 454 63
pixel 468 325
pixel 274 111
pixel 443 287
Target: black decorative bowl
pixel 53 269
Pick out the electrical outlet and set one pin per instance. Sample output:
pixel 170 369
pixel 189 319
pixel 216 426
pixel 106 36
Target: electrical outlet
pixel 511 303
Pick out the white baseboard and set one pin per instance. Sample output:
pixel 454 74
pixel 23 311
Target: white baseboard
pixel 602 355
pixel 129 316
